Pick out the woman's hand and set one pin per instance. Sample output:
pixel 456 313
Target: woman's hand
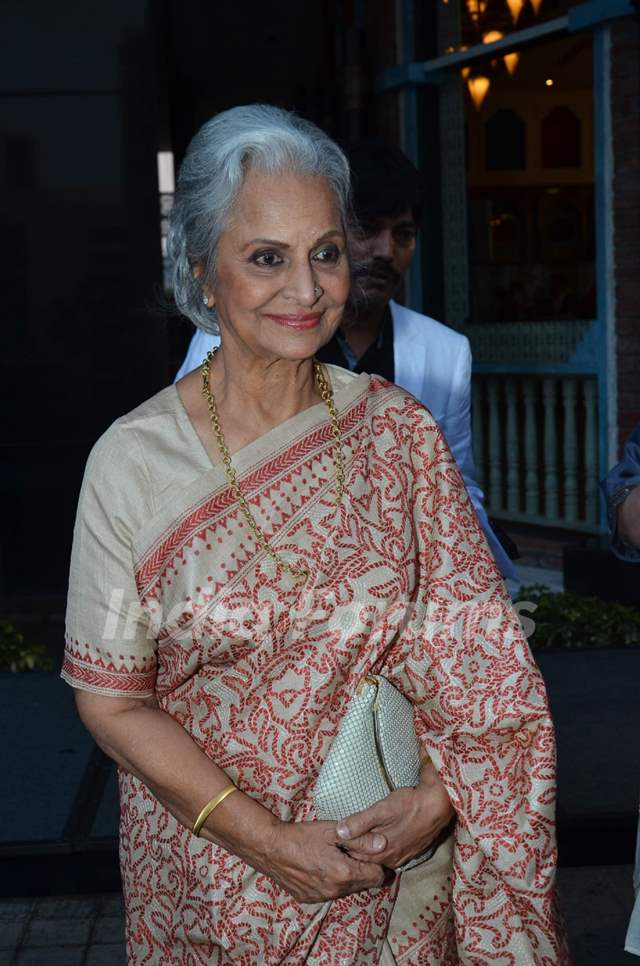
pixel 402 825
pixel 306 859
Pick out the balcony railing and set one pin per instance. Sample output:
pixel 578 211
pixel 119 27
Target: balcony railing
pixel 535 440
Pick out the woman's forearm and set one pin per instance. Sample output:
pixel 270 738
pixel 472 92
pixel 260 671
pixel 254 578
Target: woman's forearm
pixel 301 857
pixel 156 749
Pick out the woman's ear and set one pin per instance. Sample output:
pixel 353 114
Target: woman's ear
pixel 207 297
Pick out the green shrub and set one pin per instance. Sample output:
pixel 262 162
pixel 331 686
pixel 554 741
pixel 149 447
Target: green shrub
pixel 569 620
pixel 15 655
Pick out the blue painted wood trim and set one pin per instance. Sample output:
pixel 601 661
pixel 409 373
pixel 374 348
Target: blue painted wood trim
pixel 595 12
pixel 402 75
pixel 531 369
pixel 603 214
pixel 517 39
pixel 584 16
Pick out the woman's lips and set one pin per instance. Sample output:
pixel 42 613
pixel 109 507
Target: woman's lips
pixel 298 321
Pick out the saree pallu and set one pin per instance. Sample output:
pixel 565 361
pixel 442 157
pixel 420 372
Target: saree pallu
pixel 171 598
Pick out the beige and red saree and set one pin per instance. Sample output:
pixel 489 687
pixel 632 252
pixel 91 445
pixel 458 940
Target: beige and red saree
pixel 258 667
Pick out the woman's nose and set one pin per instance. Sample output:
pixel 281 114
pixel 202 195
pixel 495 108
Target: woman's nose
pixel 301 285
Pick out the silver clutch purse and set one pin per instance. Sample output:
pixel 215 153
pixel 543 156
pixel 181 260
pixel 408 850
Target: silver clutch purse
pixel 374 752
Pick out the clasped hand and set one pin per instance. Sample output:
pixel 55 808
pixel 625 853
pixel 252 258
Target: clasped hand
pixel 316 861
pixel 401 826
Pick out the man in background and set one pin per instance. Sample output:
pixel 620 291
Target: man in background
pixel 622 492
pixel 378 335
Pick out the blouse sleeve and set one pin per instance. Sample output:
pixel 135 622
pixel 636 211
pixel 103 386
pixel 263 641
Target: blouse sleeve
pixel 110 646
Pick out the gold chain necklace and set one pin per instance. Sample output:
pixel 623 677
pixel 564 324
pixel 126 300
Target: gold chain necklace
pixel 326 394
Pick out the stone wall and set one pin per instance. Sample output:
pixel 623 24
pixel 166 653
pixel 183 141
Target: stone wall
pixel 81 253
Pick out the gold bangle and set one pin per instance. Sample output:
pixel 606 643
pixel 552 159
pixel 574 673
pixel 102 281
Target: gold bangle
pixel 209 807
pixel 425 759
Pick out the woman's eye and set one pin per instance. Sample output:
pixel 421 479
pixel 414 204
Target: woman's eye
pixel 266 259
pixel 329 255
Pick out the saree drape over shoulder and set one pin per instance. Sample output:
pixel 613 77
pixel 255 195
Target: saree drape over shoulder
pixel 170 596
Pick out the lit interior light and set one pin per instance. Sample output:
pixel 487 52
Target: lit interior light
pixel 166 177
pixel 511 61
pixel 536 4
pixel 478 89
pixel 549 82
pixel 465 72
pixel 515 8
pixel 490 38
pixel 476 9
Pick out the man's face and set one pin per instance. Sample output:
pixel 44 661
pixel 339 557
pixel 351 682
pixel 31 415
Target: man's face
pixel 381 254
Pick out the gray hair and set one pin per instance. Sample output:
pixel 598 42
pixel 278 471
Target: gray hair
pixel 211 177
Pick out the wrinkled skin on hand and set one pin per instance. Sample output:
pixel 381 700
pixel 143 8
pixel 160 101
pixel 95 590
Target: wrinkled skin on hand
pixel 402 825
pixel 306 859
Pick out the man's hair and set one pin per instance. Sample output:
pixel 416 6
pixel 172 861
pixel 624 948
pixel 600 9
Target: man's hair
pixel 384 181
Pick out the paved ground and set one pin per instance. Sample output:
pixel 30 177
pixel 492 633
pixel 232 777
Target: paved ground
pixel 65 931
pixel 88 930
pixel 597 903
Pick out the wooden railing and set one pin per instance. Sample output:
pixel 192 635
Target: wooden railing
pixel 535 440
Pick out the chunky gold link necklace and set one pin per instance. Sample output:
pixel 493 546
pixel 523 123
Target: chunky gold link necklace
pixel 326 394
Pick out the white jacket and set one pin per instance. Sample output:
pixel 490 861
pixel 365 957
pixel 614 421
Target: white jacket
pixel 433 362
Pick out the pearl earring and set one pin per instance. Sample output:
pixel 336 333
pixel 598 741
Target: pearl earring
pixel 205 299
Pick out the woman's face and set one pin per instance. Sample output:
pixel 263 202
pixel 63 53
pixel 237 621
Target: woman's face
pixel 282 272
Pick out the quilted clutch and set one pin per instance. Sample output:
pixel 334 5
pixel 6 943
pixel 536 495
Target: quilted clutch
pixel 375 751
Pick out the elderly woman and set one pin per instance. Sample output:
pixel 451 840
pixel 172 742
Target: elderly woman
pixel 250 544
